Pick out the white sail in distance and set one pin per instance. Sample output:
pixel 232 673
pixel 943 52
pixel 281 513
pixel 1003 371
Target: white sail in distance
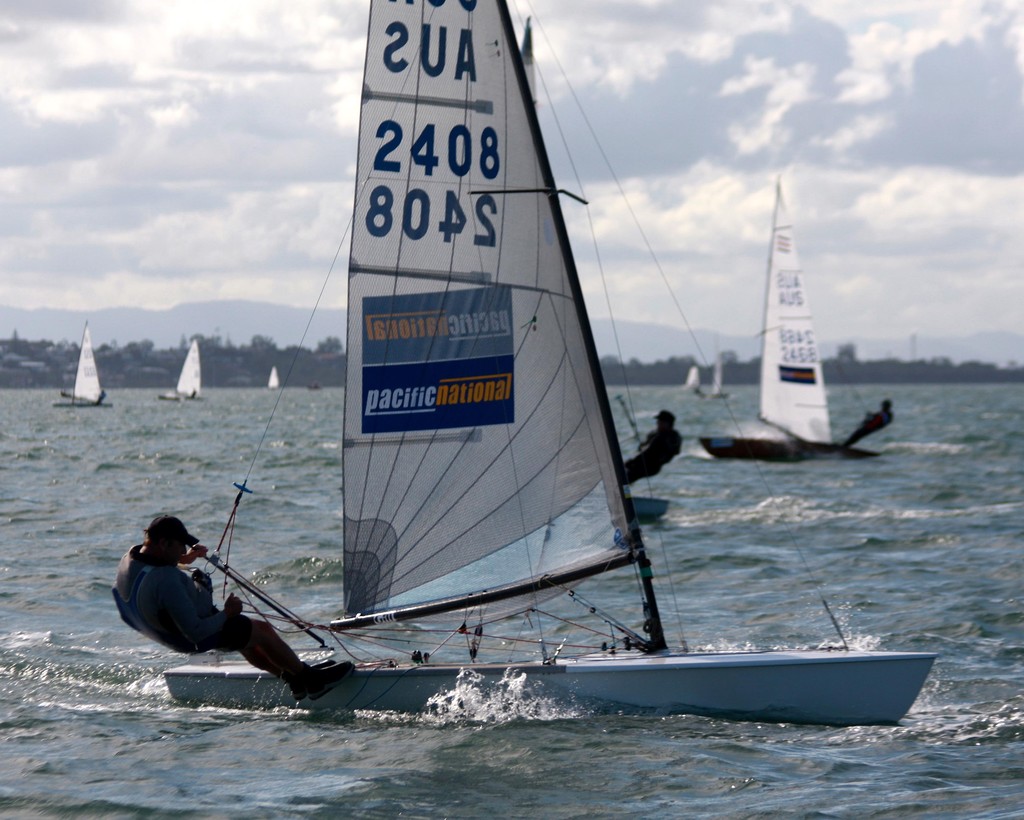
pixel 792 382
pixel 190 381
pixel 87 379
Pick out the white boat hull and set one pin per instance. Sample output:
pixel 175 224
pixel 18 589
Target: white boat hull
pixel 824 687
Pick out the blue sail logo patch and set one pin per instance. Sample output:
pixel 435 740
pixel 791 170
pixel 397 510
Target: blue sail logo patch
pixel 436 361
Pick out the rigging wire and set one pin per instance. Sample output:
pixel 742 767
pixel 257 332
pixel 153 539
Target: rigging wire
pixel 298 347
pixel 791 535
pixel 597 254
pixel 249 590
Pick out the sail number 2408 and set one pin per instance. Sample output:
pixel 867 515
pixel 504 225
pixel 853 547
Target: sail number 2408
pixel 415 210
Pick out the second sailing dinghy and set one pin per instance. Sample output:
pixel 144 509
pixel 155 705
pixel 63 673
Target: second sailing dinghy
pixel 793 398
pixel 190 382
pixel 87 391
pixel 481 470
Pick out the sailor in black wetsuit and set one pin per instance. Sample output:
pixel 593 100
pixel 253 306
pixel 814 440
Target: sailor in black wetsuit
pixel 659 448
pixel 872 423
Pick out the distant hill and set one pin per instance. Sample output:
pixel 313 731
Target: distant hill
pixel 238 322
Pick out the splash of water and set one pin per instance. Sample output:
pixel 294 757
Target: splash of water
pixel 477 699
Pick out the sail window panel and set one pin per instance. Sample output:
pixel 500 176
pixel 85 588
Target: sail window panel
pixel 576 538
pixel 487 496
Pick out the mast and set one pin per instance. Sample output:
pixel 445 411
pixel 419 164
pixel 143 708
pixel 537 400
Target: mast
pixel 767 296
pixel 652 625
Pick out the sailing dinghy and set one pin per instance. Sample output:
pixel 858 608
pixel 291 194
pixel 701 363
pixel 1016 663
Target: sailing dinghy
pixel 190 382
pixel 274 381
pixel 87 391
pixel 793 398
pixel 481 470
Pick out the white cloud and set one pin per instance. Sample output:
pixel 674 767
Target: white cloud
pixel 859 130
pixel 159 151
pixel 786 88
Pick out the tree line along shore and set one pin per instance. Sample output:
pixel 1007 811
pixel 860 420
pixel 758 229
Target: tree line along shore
pixel 45 364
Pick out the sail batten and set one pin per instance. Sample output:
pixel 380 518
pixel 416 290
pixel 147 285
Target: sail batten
pixel 477 106
pixel 467 277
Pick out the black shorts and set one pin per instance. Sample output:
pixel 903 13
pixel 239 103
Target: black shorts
pixel 235 634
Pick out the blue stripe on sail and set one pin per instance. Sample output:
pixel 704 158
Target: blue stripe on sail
pixel 797 375
pixel 436 325
pixel 438 395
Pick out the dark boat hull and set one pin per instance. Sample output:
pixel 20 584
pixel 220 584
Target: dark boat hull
pixel 768 449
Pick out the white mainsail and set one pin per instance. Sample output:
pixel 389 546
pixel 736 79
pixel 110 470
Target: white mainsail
pixel 476 452
pixel 87 379
pixel 274 382
pixel 792 382
pixel 190 381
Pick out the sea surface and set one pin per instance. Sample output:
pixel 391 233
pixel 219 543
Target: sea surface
pixel 919 549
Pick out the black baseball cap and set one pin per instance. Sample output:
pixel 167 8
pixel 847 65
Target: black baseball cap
pixel 167 526
pixel 664 415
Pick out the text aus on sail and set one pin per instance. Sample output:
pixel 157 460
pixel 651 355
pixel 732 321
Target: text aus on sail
pixel 433 147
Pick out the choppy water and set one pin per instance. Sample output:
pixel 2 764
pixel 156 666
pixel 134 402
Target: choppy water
pixel 920 549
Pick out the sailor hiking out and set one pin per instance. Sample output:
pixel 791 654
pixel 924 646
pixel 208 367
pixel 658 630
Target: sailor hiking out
pixel 176 609
pixel 872 423
pixel 658 449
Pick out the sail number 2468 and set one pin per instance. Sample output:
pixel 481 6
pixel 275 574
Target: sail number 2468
pixel 797 346
pixel 414 213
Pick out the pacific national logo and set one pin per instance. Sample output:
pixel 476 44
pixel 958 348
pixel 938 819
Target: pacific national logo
pixel 446 393
pixel 434 361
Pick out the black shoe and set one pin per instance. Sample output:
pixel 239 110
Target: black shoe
pixel 319 680
pixel 296 684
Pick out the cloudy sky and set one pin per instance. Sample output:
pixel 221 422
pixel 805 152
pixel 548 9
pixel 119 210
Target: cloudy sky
pixel 156 152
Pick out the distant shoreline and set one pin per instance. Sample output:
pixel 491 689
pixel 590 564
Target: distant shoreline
pixel 49 365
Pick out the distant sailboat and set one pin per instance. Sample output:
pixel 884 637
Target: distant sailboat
pixel 716 376
pixel 87 391
pixel 692 383
pixel 273 383
pixel 793 399
pixel 190 381
pixel 481 471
